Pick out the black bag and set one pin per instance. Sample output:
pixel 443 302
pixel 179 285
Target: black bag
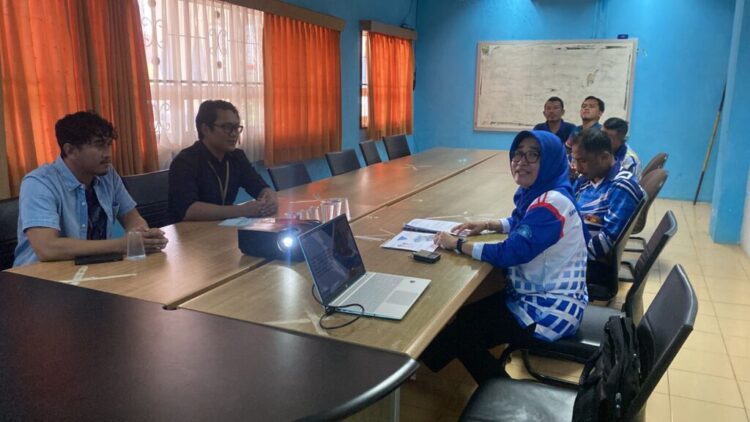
pixel 611 378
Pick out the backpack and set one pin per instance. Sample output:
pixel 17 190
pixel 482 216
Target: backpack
pixel 611 378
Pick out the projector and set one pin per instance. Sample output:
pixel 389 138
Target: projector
pixel 274 238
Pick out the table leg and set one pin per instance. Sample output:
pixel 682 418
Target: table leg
pixel 387 409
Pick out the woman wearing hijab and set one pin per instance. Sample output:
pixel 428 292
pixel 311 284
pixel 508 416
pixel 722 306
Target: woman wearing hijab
pixel 545 258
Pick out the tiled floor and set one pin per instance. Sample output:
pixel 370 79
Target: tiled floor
pixel 710 378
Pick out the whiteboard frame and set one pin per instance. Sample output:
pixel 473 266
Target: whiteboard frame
pixel 477 73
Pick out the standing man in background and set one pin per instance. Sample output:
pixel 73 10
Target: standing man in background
pixel 554 110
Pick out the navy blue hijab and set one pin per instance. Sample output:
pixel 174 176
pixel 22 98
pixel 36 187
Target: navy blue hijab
pixel 553 171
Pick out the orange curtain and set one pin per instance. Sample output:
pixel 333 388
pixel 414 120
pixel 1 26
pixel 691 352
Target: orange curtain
pixel 302 71
pixel 390 71
pixel 62 56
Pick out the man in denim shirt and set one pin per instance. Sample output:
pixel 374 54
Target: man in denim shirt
pixel 67 208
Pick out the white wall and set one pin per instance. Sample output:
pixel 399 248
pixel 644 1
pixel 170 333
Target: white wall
pixel 746 220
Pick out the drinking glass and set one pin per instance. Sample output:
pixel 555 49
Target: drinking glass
pixel 327 210
pixel 136 250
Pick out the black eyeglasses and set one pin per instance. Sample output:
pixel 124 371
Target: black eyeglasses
pixel 229 128
pixel 531 157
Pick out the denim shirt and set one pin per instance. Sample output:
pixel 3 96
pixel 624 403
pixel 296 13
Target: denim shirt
pixel 52 197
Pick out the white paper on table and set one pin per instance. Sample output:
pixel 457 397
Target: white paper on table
pixel 430 226
pixel 411 241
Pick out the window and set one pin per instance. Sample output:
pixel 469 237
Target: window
pixel 387 84
pixel 199 50
pixel 364 106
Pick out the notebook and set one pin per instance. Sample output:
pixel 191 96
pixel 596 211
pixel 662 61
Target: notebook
pixel 430 226
pixel 341 279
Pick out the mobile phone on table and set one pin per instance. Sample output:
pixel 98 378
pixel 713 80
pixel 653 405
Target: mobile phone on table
pixel 95 259
pixel 426 256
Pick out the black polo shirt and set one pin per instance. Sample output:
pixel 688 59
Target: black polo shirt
pixel 196 175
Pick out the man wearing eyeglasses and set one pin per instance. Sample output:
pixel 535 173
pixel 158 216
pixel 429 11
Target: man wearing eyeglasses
pixel 204 178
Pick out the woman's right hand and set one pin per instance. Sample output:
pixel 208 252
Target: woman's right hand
pixel 471 228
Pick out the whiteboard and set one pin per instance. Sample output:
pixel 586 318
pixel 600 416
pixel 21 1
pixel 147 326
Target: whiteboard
pixel 515 78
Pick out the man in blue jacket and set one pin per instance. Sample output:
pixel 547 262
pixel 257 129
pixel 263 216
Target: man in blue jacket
pixel 607 195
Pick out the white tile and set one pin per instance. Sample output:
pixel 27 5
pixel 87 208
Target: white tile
pixel 688 410
pixel 738 346
pixel 704 363
pixel 704 387
pixel 734 327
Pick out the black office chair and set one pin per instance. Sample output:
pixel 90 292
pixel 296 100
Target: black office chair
pixel 661 333
pixel 8 231
pixel 603 275
pixel 651 184
pixel 289 176
pixel 396 146
pixel 657 162
pixel 342 162
pixel 150 191
pixel 581 346
pixel 370 152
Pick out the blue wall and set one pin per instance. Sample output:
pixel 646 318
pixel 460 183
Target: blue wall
pixel 734 146
pixel 680 70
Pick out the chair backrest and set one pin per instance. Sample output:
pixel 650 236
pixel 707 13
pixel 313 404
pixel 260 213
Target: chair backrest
pixel 8 231
pixel 342 162
pixel 289 176
pixel 370 152
pixel 656 163
pixel 667 228
pixel 662 332
pixel 651 184
pixel 151 192
pixel 603 278
pixel 396 146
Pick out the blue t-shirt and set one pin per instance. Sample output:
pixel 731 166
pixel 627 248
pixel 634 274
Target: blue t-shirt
pixel 52 197
pixel 629 160
pixel 563 133
pixel 578 129
pixel 607 207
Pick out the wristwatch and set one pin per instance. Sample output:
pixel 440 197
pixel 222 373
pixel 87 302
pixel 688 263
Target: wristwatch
pixel 460 243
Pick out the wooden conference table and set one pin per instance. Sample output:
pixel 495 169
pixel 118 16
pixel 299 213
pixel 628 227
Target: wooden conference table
pixel 279 294
pixel 203 270
pixel 79 354
pixel 203 255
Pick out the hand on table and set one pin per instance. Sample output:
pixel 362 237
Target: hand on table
pixel 471 228
pixel 153 239
pixel 261 207
pixel 446 240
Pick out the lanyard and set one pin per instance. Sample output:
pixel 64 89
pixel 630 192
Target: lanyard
pixel 223 187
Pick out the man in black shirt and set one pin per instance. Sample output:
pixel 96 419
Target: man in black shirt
pixel 205 177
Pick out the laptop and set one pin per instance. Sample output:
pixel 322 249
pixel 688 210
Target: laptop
pixel 341 279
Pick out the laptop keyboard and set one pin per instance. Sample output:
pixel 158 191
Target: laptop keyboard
pixel 375 291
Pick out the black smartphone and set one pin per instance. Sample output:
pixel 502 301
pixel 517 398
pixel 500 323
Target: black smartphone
pixel 95 259
pixel 426 256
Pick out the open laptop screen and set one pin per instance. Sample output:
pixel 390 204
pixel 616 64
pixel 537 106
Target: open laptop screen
pixel 333 257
